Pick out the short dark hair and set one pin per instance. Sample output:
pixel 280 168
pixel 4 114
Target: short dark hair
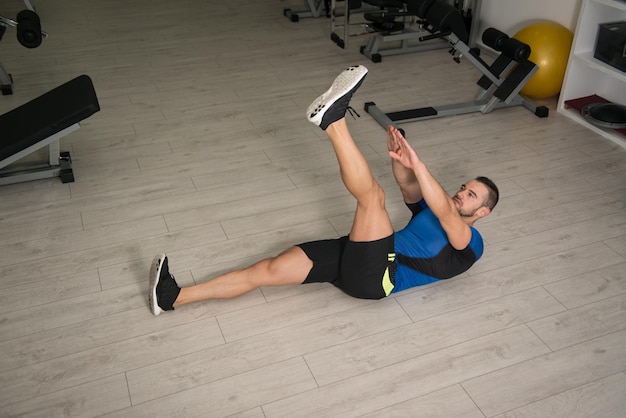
pixel 493 196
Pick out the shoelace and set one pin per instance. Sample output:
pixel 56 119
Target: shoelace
pixel 353 112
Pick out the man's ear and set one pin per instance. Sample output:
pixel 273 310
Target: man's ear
pixel 483 211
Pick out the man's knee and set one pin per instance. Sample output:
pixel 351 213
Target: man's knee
pixel 289 267
pixel 261 272
pixel 375 198
pixel 379 195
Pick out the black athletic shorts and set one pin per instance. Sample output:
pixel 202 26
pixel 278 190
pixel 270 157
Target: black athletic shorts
pixel 361 269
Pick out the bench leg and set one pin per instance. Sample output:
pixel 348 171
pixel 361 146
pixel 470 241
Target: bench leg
pixel 58 164
pixel 62 169
pixel 6 82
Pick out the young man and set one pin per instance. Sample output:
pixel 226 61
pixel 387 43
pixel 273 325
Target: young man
pixel 373 261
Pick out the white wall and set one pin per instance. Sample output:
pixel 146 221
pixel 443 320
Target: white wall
pixel 510 16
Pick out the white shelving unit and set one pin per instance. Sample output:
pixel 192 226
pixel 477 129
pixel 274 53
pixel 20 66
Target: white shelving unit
pixel 586 75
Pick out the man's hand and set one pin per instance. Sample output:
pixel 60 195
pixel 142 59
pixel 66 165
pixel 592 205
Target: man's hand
pixel 426 186
pixel 400 150
pixel 401 166
pixel 392 141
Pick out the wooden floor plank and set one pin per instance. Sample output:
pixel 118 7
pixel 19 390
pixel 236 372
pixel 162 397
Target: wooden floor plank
pixel 601 398
pixel 448 402
pixel 581 324
pixel 98 363
pixel 549 374
pixel 408 379
pixel 98 397
pixel 586 288
pixel 231 395
pixel 428 336
pixel 227 360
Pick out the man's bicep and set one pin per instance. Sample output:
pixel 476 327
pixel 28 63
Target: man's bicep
pixel 458 232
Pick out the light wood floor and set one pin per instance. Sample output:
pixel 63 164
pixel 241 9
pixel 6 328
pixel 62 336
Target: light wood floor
pixel 201 150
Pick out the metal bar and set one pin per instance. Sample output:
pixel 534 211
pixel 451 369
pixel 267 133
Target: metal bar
pixel 28 5
pixel 379 116
pixel 44 142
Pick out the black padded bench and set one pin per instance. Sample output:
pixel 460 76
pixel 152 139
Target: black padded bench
pixel 40 123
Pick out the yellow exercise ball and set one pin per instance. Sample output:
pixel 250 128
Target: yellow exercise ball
pixel 550 44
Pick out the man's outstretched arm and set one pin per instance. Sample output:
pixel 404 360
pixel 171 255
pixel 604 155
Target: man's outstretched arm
pixel 458 232
pixel 405 177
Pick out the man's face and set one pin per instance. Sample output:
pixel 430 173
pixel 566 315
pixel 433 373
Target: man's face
pixel 470 198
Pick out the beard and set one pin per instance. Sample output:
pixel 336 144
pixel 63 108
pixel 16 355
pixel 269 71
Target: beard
pixel 466 214
pixel 463 212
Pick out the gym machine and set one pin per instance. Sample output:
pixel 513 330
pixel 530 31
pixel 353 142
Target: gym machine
pixel 388 21
pixel 29 35
pixel 314 9
pixel 500 83
pixel 407 34
pixel 341 17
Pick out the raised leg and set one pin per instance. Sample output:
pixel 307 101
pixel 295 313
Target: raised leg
pixel 371 220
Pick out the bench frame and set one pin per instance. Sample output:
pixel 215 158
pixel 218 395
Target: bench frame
pixel 42 123
pixel 59 164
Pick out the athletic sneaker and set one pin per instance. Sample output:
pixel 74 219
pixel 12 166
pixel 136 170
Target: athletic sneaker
pixel 163 287
pixel 332 105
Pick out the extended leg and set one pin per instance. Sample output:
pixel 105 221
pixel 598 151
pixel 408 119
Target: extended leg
pixel 289 267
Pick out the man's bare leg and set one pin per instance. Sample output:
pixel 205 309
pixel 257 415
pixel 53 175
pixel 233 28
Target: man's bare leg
pixel 371 220
pixel 289 267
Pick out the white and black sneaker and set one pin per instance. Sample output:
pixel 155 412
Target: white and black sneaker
pixel 163 287
pixel 332 105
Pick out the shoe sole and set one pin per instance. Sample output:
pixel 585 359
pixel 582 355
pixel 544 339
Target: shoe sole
pixel 344 83
pixel 155 274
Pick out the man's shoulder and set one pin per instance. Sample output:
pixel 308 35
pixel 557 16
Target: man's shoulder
pixel 476 242
pixel 416 207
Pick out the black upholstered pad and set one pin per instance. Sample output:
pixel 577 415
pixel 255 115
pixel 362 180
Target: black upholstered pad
pixel 46 115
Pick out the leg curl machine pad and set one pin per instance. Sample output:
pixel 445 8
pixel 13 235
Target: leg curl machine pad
pixel 501 81
pixel 40 123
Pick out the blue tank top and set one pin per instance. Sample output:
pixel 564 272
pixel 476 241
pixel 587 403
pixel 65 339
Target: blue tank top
pixel 424 254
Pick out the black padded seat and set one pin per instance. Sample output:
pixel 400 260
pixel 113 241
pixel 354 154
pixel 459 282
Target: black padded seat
pixel 46 115
pixel 443 17
pixel 419 7
pixel 391 4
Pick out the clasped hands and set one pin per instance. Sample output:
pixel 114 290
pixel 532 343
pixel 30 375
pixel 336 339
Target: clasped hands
pixel 400 150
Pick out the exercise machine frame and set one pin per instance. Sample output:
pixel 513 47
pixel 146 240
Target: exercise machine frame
pixel 314 9
pixel 340 30
pixel 501 83
pixel 407 38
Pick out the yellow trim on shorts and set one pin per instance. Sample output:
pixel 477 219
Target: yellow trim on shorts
pixel 387 284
